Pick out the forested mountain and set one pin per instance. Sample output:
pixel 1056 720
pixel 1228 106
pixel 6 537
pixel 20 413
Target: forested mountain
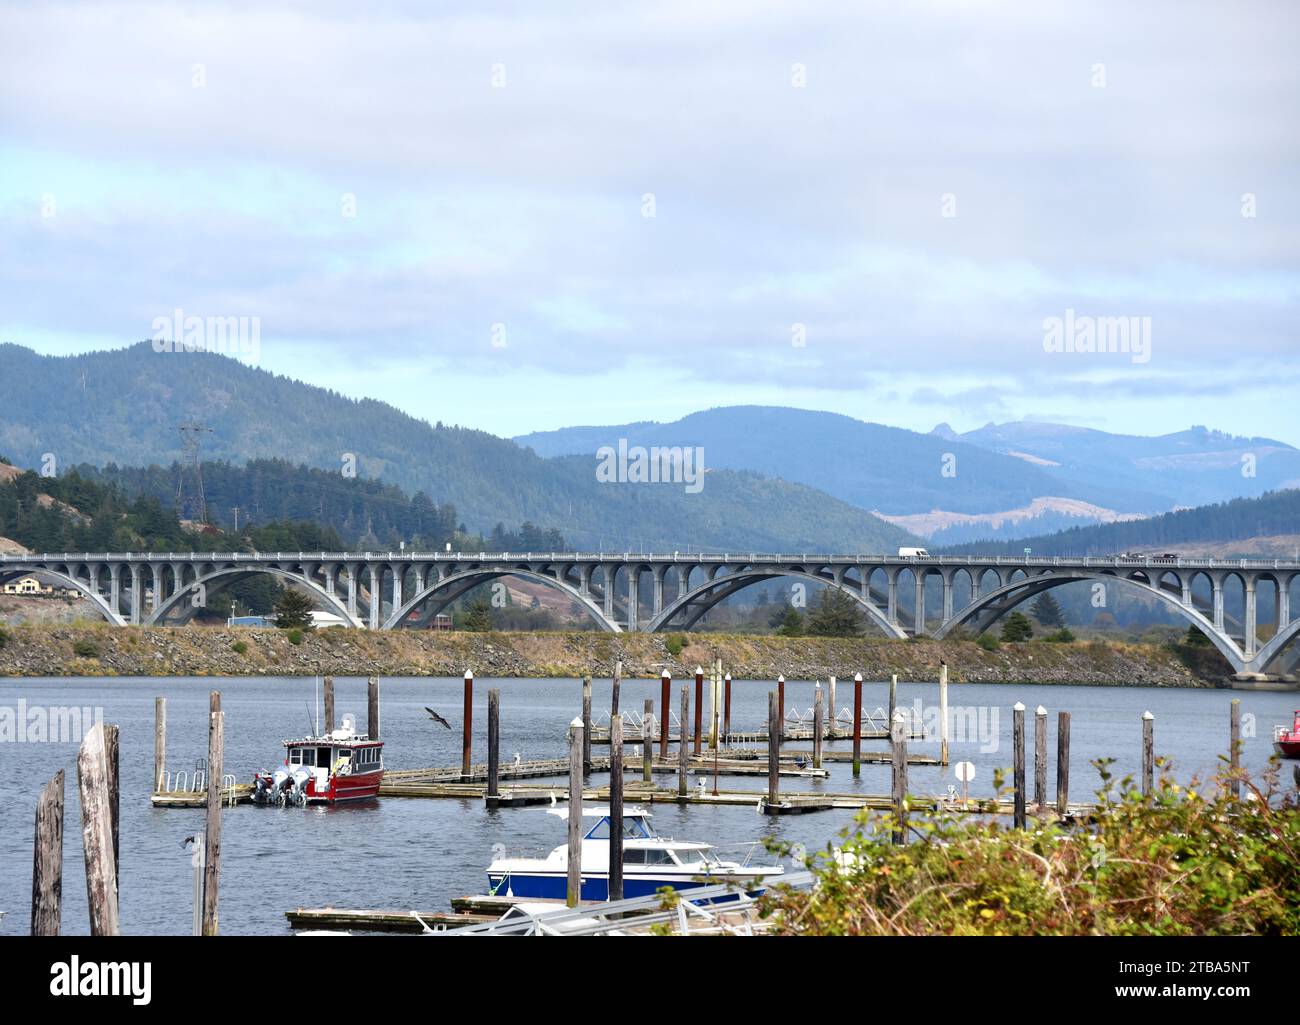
pixel 1276 513
pixel 123 407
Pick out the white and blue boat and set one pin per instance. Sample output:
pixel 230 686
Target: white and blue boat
pixel 650 862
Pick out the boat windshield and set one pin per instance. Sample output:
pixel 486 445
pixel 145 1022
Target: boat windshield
pixel 633 829
pixel 697 857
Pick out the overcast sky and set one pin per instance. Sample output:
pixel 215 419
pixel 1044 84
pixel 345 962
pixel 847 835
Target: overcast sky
pixel 870 208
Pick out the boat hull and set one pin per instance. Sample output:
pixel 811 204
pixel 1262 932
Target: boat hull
pixel 1287 748
pixel 362 786
pixel 595 886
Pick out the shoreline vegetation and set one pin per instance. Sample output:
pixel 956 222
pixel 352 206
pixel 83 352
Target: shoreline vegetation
pixel 100 650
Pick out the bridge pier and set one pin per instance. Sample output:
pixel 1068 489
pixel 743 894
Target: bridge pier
pixel 918 620
pixel 1250 618
pixel 633 599
pixel 137 574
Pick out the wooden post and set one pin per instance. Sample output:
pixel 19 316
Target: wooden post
pixel 830 719
pixel 494 743
pixel 893 697
pixel 898 765
pixel 1040 758
pixel 467 721
pixel 780 701
pixel 212 825
pixel 699 707
pixel 97 833
pixel 1148 753
pixel 372 708
pixel 857 724
pixel 614 689
pixel 616 808
pixel 112 745
pixel 943 713
pixel 586 724
pixel 726 707
pixel 647 742
pixel 665 686
pixel 817 727
pixel 683 754
pixel 1062 762
pixel 329 705
pixel 47 859
pixel 1234 741
pixel 574 883
pixel 715 704
pixel 159 741
pixel 773 750
pixel 1018 763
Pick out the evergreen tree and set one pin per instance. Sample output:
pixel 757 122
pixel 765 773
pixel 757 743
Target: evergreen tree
pixel 1017 628
pixel 1196 637
pixel 791 624
pixel 477 617
pixel 293 610
pixel 1047 611
pixel 837 615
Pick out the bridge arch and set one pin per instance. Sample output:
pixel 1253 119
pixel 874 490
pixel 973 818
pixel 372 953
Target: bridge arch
pixel 232 574
pixel 698 601
pixel 98 600
pixel 452 586
pixel 1002 600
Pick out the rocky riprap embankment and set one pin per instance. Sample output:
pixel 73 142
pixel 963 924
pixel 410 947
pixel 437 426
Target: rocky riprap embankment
pixel 94 650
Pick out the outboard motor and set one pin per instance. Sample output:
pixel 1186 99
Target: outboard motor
pixel 297 791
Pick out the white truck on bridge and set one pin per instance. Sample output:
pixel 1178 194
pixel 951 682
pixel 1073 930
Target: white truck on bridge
pixel 913 553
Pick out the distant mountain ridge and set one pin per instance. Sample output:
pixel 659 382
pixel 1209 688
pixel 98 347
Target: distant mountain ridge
pixel 123 406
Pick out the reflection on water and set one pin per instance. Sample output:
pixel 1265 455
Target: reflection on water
pixel 417 854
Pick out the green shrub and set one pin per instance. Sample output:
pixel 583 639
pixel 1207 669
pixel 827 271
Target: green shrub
pixel 239 647
pixel 988 642
pixel 4 637
pixel 1190 861
pixel 86 648
pixel 295 635
pixel 1061 636
pixel 675 644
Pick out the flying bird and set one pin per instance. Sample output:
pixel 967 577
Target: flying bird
pixel 436 717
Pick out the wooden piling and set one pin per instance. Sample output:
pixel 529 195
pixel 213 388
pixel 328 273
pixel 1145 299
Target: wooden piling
pixel 665 686
pixel 773 749
pixel 616 808
pixel 212 825
pixel 467 721
pixel 699 708
pixel 329 705
pixel 1018 763
pixel 573 890
pixel 1062 762
pixel 647 742
pixel 494 743
pixel 97 833
pixel 159 741
pixel 1040 758
pixel 898 766
pixel 893 696
pixel 682 742
pixel 857 724
pixel 817 727
pixel 586 724
pixel 112 750
pixel 47 859
pixel 1148 753
pixel 1234 747
pixel 780 703
pixel 372 708
pixel 830 697
pixel 726 706
pixel 943 713
pixel 615 687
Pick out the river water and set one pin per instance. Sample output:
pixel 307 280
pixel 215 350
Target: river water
pixel 417 854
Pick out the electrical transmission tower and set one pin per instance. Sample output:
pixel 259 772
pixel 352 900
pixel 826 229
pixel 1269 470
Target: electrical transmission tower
pixel 190 502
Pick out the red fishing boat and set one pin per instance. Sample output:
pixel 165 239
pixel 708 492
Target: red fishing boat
pixel 341 766
pixel 1287 742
